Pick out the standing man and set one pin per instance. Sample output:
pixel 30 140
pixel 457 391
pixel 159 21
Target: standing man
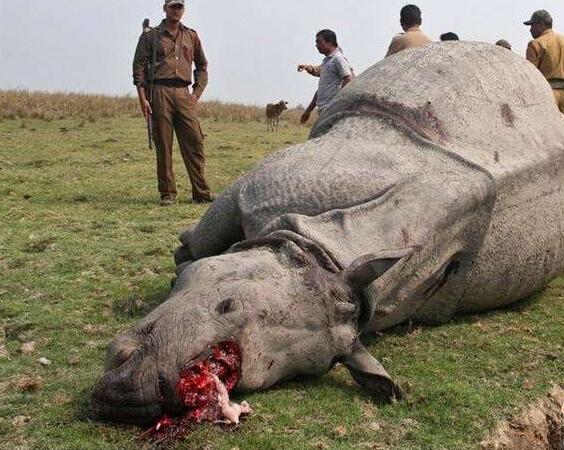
pixel 162 72
pixel 546 52
pixel 334 73
pixel 410 21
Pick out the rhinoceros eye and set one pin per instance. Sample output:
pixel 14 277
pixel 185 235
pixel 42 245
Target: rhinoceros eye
pixel 226 306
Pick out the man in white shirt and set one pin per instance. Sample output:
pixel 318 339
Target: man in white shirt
pixel 334 73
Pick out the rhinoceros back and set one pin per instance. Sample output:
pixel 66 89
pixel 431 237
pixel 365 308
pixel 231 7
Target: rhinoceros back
pixel 487 104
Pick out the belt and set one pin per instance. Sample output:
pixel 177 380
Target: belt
pixel 556 83
pixel 172 82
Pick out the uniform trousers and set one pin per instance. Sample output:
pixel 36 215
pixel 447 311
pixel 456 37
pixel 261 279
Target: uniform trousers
pixel 172 113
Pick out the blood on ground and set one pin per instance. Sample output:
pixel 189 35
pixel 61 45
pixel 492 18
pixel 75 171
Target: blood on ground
pixel 198 391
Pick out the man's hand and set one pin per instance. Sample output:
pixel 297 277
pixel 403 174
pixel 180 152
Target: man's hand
pixel 346 80
pixel 312 70
pixel 144 103
pixel 146 109
pixel 305 117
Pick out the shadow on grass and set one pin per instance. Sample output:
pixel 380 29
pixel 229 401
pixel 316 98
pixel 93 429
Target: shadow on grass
pixel 350 390
pixel 406 328
pixel 137 306
pixel 82 412
pixel 81 406
pixel 109 200
pixel 519 306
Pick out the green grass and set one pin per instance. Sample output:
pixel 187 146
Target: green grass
pixel 85 251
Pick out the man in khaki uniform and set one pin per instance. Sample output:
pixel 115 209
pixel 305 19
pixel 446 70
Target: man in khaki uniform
pixel 162 72
pixel 410 20
pixel 546 52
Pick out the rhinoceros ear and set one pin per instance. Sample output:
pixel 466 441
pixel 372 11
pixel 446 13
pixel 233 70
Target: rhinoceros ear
pixel 371 375
pixel 368 268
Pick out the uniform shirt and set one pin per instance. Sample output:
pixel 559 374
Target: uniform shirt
pixel 413 37
pixel 547 53
pixel 334 68
pixel 174 57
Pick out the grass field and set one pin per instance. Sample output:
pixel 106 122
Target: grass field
pixel 85 252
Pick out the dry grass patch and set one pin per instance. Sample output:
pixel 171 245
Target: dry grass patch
pixel 29 383
pixel 25 105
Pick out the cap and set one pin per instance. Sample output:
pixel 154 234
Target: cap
pixel 174 2
pixel 540 16
pixel 503 43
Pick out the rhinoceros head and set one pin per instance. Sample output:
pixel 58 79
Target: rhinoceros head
pixel 286 314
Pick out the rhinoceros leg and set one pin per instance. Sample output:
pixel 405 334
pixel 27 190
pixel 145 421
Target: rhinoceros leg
pixel 216 232
pixel 370 374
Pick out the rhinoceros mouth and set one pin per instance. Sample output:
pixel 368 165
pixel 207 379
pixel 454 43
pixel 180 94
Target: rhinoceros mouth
pixel 200 388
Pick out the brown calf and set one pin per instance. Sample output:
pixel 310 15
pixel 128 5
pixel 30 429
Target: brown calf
pixel 273 112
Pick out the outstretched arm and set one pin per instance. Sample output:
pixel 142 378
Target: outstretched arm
pixel 312 70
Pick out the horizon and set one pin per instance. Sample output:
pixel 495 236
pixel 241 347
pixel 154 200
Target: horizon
pixel 252 63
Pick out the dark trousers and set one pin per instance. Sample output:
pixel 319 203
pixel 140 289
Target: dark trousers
pixel 172 113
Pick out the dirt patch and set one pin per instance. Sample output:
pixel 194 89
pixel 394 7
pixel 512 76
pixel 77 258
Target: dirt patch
pixel 541 427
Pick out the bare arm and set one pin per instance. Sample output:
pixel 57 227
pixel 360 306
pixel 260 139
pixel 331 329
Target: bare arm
pixel 309 110
pixel 346 80
pixel 312 70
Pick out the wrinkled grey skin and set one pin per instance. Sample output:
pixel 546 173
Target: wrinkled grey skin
pixel 433 186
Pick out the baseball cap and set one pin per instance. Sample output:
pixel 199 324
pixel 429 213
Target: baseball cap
pixel 174 2
pixel 503 43
pixel 540 16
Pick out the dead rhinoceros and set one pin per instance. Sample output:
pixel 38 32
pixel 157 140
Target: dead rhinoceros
pixel 433 186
